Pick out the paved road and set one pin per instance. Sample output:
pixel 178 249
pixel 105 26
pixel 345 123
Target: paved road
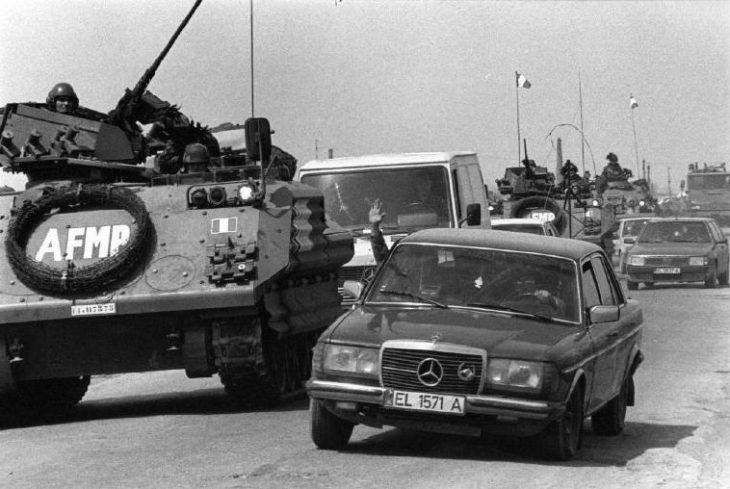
pixel 161 430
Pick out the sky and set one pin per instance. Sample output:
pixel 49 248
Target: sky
pixel 368 76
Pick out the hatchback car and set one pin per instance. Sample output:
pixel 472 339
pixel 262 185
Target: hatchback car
pixel 682 249
pixel 525 225
pixel 481 332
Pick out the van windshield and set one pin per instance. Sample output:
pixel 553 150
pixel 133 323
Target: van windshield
pixel 413 198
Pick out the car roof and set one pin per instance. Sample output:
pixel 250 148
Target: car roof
pixel 384 159
pixel 573 249
pixel 681 219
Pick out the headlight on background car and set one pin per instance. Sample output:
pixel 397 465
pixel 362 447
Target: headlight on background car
pixel 515 373
pixel 637 261
pixel 697 261
pixel 352 360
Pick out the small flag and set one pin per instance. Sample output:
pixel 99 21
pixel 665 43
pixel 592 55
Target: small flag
pixel 522 81
pixel 633 103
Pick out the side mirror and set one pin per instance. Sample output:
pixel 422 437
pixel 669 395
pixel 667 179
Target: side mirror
pixel 352 289
pixel 258 139
pixel 603 314
pixel 630 241
pixel 473 215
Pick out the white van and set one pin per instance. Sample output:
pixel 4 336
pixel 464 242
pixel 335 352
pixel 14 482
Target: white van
pixel 350 185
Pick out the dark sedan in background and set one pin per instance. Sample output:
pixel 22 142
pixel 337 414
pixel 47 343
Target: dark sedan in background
pixel 471 332
pixel 678 249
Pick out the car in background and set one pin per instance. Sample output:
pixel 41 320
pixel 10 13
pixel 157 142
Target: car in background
pixel 525 225
pixel 678 249
pixel 628 229
pixel 480 332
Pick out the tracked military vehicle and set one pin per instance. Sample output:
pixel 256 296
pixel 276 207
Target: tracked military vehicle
pixel 123 255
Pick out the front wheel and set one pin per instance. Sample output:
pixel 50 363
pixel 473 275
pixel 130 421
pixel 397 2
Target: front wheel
pixel 711 280
pixel 562 438
pixel 328 431
pixel 610 419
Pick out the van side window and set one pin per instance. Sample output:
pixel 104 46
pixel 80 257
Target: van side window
pixel 590 287
pixel 608 294
pixel 455 177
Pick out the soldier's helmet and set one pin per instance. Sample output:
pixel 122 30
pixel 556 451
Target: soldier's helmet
pixel 62 89
pixel 196 158
pixel 612 158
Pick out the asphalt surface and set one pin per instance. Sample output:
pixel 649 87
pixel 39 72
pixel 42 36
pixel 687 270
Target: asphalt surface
pixel 162 430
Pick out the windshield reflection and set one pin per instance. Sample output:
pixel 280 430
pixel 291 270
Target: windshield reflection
pixel 543 286
pixel 412 198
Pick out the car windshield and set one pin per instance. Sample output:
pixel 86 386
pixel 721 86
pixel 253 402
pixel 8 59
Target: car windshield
pixel 445 276
pixel 412 198
pixel 634 227
pixel 675 232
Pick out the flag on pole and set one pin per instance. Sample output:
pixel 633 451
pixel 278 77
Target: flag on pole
pixel 522 81
pixel 633 103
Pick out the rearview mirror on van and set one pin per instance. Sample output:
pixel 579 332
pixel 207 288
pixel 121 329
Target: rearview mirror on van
pixel 473 215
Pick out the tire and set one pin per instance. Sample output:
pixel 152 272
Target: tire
pixel 562 438
pixel 632 285
pixel 327 430
pixel 522 207
pixel 103 275
pixel 711 280
pixel 46 398
pixel 610 419
pixel 724 278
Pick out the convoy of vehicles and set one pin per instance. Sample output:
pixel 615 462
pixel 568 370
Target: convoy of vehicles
pixel 472 332
pixel 417 191
pixel 678 249
pixel 191 261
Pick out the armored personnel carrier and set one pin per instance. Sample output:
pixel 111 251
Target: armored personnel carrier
pixel 193 260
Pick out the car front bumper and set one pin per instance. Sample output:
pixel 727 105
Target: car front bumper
pixel 483 413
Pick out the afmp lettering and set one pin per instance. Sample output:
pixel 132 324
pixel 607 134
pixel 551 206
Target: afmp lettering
pixel 90 242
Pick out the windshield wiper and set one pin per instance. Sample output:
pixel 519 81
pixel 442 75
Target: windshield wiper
pixel 415 296
pixel 501 307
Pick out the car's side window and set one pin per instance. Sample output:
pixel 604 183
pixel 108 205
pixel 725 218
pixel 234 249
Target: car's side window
pixel 605 284
pixel 716 233
pixel 590 287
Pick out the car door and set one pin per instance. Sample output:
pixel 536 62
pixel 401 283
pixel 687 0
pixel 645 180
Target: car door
pixel 610 348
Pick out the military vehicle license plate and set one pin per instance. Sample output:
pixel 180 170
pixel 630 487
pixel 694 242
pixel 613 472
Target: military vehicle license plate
pixel 666 271
pixel 421 401
pixel 94 309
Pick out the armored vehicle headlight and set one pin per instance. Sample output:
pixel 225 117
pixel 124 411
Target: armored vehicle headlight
pixel 515 373
pixel 642 203
pixel 245 193
pixel 199 198
pixel 637 260
pixel 217 196
pixel 343 359
pixel 596 203
pixel 697 261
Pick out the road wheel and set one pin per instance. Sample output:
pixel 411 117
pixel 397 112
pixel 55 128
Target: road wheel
pixel 562 437
pixel 328 431
pixel 632 285
pixel 711 280
pixel 609 420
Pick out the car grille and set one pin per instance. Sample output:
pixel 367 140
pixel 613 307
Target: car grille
pixel 399 370
pixel 662 261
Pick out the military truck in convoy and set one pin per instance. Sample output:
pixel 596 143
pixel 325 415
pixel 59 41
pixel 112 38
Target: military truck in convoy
pixel 707 192
pixel 417 191
pixel 131 253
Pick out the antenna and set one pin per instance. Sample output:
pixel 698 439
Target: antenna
pixel 250 3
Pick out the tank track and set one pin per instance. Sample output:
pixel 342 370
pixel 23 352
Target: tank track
pixel 258 367
pixel 44 398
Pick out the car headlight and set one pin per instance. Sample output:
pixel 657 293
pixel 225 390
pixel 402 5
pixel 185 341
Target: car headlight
pixel 637 261
pixel 515 373
pixel 352 360
pixel 697 261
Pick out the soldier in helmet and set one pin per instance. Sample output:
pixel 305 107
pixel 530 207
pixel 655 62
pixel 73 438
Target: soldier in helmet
pixel 196 158
pixel 63 99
